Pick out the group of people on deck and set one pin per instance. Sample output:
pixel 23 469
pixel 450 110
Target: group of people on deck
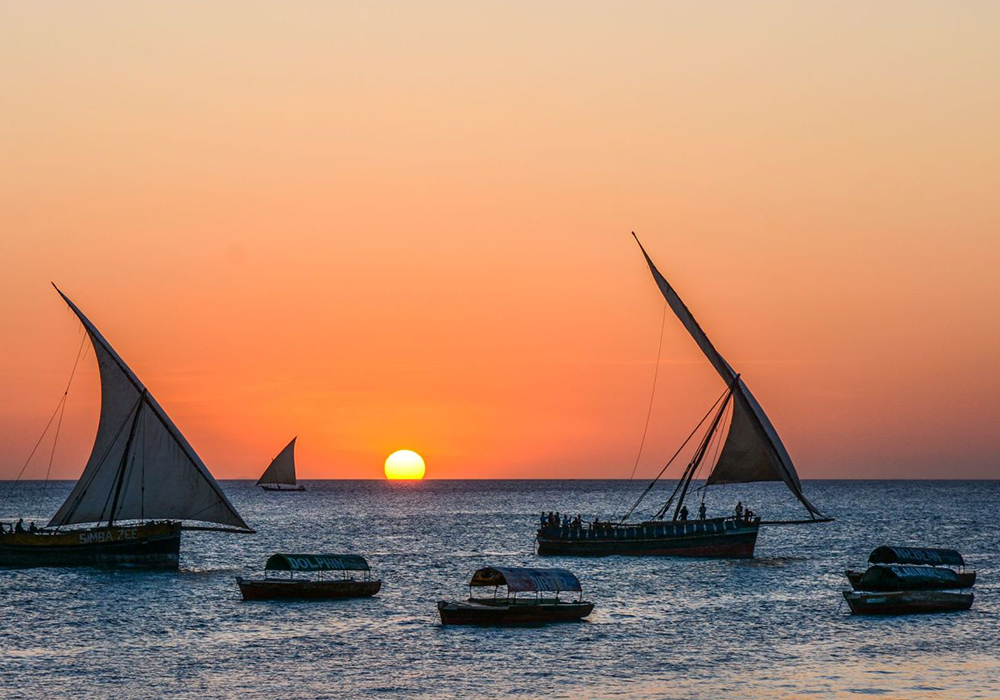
pixel 18 527
pixel 553 519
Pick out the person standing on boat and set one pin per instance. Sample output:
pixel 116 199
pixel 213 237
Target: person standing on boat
pixel 19 527
pixel 701 511
pixel 684 512
pixel 739 510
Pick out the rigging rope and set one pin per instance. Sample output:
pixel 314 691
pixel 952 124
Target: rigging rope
pixel 671 460
pixel 55 440
pixel 649 413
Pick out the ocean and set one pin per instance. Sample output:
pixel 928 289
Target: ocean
pixel 775 626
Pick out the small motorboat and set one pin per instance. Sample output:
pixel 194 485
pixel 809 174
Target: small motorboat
pixel 343 586
pixel 500 609
pixel 906 602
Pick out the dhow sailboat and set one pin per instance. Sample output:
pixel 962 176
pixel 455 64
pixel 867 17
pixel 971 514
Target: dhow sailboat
pixel 142 486
pixel 280 475
pixel 751 451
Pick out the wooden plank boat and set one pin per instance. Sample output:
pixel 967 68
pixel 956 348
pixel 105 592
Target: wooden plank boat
pixel 273 588
pixel 142 483
pixel 503 612
pixel 966 579
pixel 907 602
pixel 509 609
pixel 733 538
pixel 740 445
pixel 148 545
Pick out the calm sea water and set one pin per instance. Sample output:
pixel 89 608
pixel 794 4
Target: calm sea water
pixel 771 627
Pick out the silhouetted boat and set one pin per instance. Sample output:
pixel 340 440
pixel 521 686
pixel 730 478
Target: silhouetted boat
pixel 272 587
pixel 752 451
pixel 906 602
pixel 917 567
pixel 280 474
pixel 508 609
pixel 142 479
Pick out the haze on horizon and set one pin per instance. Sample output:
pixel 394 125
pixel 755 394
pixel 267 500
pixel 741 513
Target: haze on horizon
pixel 407 226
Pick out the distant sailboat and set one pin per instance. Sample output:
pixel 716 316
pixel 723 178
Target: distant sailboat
pixel 752 451
pixel 142 479
pixel 280 475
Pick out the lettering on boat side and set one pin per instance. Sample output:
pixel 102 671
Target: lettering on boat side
pixel 122 533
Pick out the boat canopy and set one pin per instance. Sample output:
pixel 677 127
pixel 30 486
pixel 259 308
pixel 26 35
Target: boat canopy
pixel 316 562
pixel 915 555
pixel 908 578
pixel 520 580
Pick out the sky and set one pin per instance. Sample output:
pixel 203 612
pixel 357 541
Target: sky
pixel 400 225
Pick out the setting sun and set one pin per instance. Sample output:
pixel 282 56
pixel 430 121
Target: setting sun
pixel 404 464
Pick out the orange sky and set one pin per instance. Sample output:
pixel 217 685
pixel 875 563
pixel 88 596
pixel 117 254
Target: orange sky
pixel 407 226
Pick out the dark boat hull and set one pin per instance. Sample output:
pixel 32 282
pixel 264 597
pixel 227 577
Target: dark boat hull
pixel 148 545
pixel 967 579
pixel 283 589
pixel 717 538
pixel 501 613
pixel 907 602
pixel 278 487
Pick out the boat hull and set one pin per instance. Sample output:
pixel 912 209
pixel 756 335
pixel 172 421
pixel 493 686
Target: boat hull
pixel 727 538
pixel 280 487
pixel 967 579
pixel 474 612
pixel 147 545
pixel 907 602
pixel 282 589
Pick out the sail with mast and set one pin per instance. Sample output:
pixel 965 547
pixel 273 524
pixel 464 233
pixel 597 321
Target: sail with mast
pixel 141 481
pixel 280 475
pixel 751 451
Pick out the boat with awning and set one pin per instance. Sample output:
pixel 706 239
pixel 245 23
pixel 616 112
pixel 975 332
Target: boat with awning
pixel 750 451
pixel 507 606
pixel 351 578
pixel 892 567
pixel 141 487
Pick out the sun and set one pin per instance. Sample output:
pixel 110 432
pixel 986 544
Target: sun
pixel 404 464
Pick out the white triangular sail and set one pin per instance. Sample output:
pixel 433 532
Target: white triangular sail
pixel 753 450
pixel 282 469
pixel 141 467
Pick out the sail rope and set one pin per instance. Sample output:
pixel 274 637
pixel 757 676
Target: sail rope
pixel 649 412
pixel 60 407
pixel 672 458
pixel 62 412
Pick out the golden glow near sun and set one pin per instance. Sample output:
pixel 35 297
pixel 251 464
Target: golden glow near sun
pixel 404 464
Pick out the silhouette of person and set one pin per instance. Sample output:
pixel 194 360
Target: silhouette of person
pixel 684 512
pixel 20 525
pixel 701 511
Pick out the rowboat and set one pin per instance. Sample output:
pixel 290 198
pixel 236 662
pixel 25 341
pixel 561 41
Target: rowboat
pixel 344 586
pixel 507 609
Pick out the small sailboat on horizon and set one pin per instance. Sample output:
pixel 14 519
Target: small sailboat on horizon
pixel 750 452
pixel 141 487
pixel 280 474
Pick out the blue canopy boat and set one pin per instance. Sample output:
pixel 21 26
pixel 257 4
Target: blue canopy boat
pixel 508 608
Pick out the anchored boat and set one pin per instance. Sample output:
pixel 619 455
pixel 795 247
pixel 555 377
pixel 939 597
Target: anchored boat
pixel 751 451
pixel 141 487
pixel 344 586
pixel 280 474
pixel 904 580
pixel 508 609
